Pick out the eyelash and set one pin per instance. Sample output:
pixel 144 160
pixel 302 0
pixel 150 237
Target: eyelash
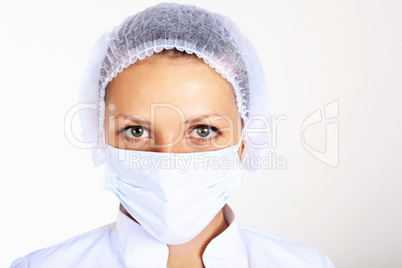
pixel 201 140
pixel 205 140
pixel 125 137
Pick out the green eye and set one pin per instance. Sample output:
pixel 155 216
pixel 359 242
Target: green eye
pixel 203 131
pixel 135 132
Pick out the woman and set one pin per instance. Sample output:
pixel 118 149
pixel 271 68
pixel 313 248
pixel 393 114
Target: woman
pixel 179 91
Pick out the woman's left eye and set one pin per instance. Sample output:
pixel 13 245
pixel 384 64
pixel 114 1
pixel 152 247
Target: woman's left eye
pixel 204 132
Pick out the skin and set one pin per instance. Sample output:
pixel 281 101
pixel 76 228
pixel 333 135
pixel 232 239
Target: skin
pixel 190 91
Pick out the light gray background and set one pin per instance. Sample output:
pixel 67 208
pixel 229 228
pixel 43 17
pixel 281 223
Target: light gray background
pixel 315 52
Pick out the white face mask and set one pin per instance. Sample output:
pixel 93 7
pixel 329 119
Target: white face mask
pixel 174 196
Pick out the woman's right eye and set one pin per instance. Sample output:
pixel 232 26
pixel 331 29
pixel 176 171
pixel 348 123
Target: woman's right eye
pixel 135 132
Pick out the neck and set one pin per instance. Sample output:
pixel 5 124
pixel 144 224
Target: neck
pixel 189 254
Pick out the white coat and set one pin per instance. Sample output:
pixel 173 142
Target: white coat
pixel 126 244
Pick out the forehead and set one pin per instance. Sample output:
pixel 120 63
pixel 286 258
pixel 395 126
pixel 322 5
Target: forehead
pixel 186 83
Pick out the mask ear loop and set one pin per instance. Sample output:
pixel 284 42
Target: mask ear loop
pixel 241 139
pixel 237 171
pixel 237 146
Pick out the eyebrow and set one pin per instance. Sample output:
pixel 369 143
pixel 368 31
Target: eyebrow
pixel 146 122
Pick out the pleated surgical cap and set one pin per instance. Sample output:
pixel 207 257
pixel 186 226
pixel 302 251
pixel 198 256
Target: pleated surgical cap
pixel 211 36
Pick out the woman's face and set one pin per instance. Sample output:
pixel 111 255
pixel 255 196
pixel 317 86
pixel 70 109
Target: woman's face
pixel 166 104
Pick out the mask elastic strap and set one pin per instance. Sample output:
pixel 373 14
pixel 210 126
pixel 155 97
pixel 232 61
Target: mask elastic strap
pixel 241 138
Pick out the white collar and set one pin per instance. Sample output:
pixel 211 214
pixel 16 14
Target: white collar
pixel 140 249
